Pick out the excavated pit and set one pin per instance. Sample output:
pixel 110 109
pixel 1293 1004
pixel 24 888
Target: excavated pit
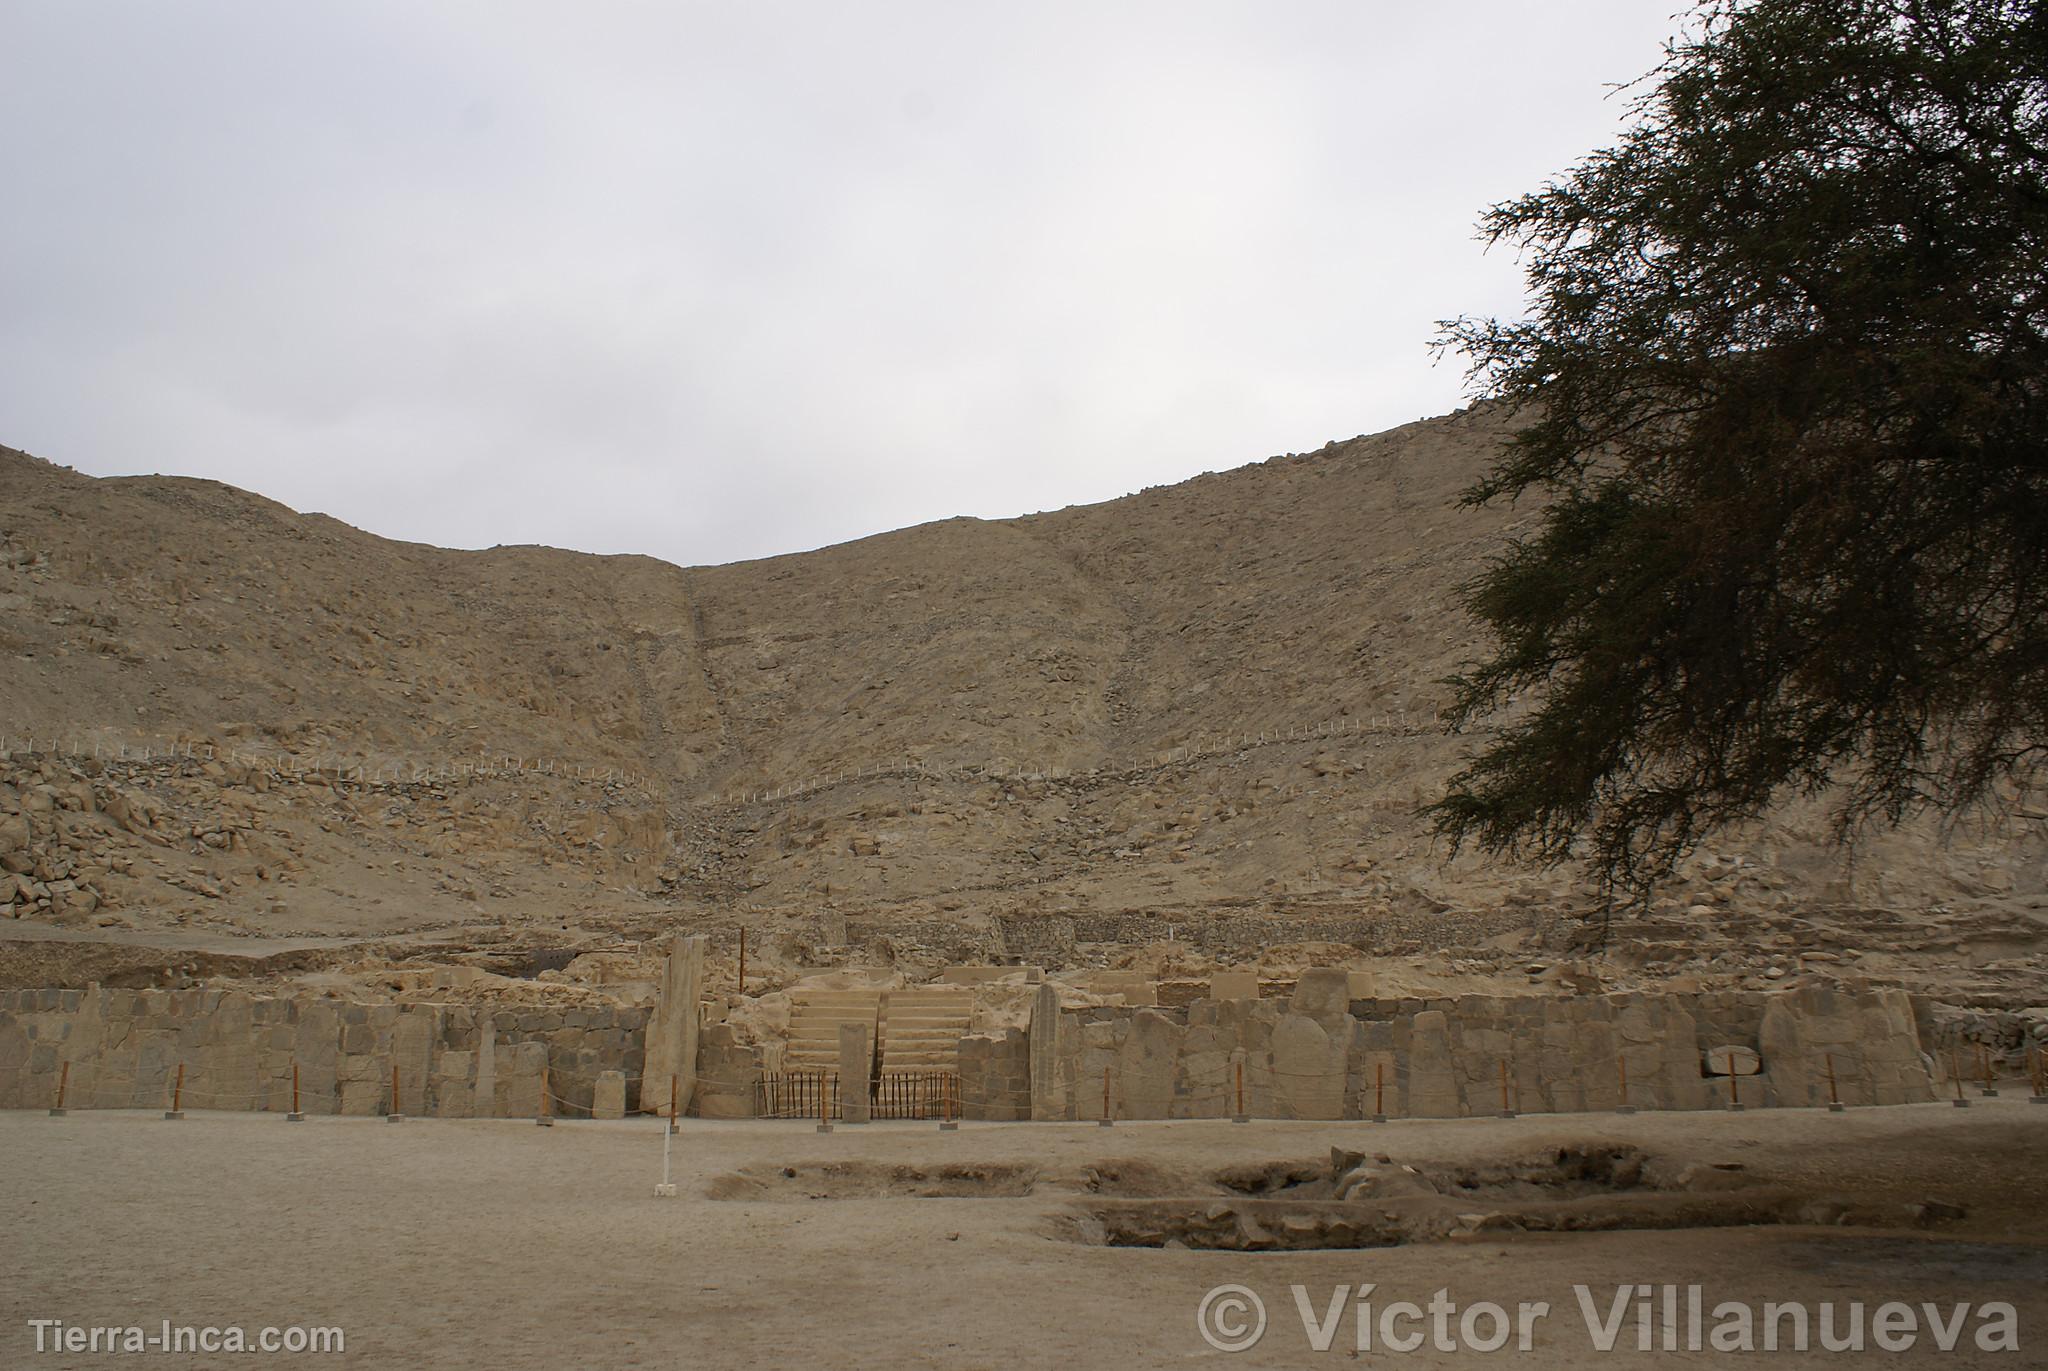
pixel 876 1181
pixel 1352 1200
pixel 1371 1200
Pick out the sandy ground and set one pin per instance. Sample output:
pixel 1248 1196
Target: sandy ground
pixel 498 1244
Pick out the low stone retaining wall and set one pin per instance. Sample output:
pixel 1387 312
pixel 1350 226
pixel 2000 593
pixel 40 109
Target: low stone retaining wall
pixel 1317 1055
pixel 1322 1055
pixel 995 1075
pixel 727 1072
pixel 124 1047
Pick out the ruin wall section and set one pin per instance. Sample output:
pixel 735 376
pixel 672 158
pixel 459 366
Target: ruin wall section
pixel 1323 1055
pixel 123 1049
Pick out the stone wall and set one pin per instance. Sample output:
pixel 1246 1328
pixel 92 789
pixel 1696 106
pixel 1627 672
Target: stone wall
pixel 1383 932
pixel 1044 938
pixel 124 1048
pixel 1322 1055
pixel 1318 1055
pixel 727 1072
pixel 1066 941
pixel 995 1075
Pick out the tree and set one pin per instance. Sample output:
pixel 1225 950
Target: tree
pixel 1783 399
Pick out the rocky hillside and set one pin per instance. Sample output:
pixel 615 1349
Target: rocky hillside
pixel 1212 696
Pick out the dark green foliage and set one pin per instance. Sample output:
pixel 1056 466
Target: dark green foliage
pixel 1784 414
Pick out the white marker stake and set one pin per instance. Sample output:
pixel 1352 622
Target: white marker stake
pixel 666 1190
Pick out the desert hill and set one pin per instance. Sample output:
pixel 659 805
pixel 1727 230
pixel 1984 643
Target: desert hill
pixel 1213 696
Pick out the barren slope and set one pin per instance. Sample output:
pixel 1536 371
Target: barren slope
pixel 1214 696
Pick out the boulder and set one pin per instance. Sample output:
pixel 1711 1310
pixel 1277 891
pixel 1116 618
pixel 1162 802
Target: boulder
pixel 1732 1059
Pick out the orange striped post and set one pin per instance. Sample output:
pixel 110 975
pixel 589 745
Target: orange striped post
pixel 63 1080
pixel 177 1109
pixel 296 1116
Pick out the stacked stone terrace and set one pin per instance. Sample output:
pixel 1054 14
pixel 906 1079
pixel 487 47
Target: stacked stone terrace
pixel 1325 1052
pixel 1323 1055
pixel 124 1048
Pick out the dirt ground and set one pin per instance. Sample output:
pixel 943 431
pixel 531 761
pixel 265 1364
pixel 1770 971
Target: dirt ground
pixel 498 1244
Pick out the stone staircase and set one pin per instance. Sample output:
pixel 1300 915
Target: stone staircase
pixel 814 1019
pixel 922 1027
pixel 918 1029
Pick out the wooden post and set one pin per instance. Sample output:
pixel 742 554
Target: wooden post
pixel 541 1117
pixel 1955 1071
pixel 1621 1066
pixel 1105 1121
pixel 1734 1094
pixel 296 1116
pixel 2040 1061
pixel 674 1105
pixel 394 1116
pixel 947 1123
pixel 1379 1092
pixel 743 961
pixel 177 1109
pixel 1834 1095
pixel 824 1116
pixel 63 1080
pixel 1240 1116
pixel 1984 1061
pixel 1507 1111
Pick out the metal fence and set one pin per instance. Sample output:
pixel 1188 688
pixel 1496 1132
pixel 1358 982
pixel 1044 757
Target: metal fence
pixel 797 1095
pixel 917 1095
pixel 891 1095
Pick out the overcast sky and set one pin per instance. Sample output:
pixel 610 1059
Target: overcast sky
pixel 715 282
